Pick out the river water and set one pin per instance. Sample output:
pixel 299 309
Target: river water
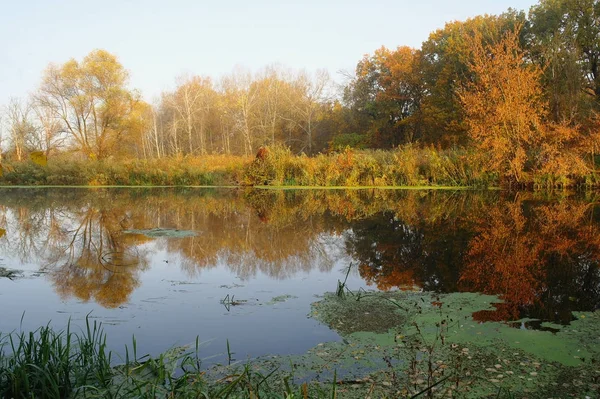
pixel 243 266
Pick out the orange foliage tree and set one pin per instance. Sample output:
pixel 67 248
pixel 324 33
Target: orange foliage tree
pixel 508 117
pixel 504 107
pixel 443 67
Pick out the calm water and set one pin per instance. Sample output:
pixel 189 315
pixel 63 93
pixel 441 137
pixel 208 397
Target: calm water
pixel 81 252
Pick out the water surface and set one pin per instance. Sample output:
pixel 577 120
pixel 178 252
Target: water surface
pixel 97 253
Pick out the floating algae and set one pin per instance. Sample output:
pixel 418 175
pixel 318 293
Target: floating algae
pixel 280 299
pixel 160 232
pixel 398 344
pixel 370 313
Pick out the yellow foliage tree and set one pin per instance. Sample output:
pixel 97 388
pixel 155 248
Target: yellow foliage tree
pixel 504 108
pixel 92 102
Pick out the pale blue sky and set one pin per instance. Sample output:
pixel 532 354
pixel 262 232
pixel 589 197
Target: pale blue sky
pixel 157 40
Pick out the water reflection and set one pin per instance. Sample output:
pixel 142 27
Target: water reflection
pixel 79 244
pixel 542 258
pixel 540 255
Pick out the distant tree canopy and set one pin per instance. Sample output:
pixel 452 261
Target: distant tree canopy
pixel 534 110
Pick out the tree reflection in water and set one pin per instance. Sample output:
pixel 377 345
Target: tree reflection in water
pixel 540 256
pixel 97 260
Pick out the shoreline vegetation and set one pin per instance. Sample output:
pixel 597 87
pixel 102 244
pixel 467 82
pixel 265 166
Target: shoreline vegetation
pixel 395 345
pixel 277 167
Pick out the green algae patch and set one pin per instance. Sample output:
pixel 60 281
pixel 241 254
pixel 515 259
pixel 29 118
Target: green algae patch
pixel 400 344
pixel 160 232
pixel 375 314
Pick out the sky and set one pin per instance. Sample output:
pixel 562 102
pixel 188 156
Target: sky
pixel 159 40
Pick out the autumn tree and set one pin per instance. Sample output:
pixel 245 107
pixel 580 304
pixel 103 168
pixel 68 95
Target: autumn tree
pixel 154 136
pixel 274 103
pixel 503 105
pixel 48 134
pixel 344 127
pixel 243 102
pixel 93 103
pixel 443 68
pixel 191 103
pixel 21 130
pixel 239 114
pixel 306 104
pixel 226 105
pixel 386 94
pixel 575 24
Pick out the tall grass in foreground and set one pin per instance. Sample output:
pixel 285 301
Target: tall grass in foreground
pixel 48 364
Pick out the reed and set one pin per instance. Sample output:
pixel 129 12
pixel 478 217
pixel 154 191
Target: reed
pixel 50 364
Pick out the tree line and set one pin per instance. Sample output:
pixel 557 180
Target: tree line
pixel 87 108
pixel 521 89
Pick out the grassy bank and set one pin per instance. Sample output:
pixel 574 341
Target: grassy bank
pixel 63 171
pixel 407 166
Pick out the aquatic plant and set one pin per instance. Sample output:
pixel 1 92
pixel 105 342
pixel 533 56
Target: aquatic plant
pixel 9 273
pixel 51 364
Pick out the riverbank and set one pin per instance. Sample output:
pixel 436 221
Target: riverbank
pixel 396 344
pixel 407 166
